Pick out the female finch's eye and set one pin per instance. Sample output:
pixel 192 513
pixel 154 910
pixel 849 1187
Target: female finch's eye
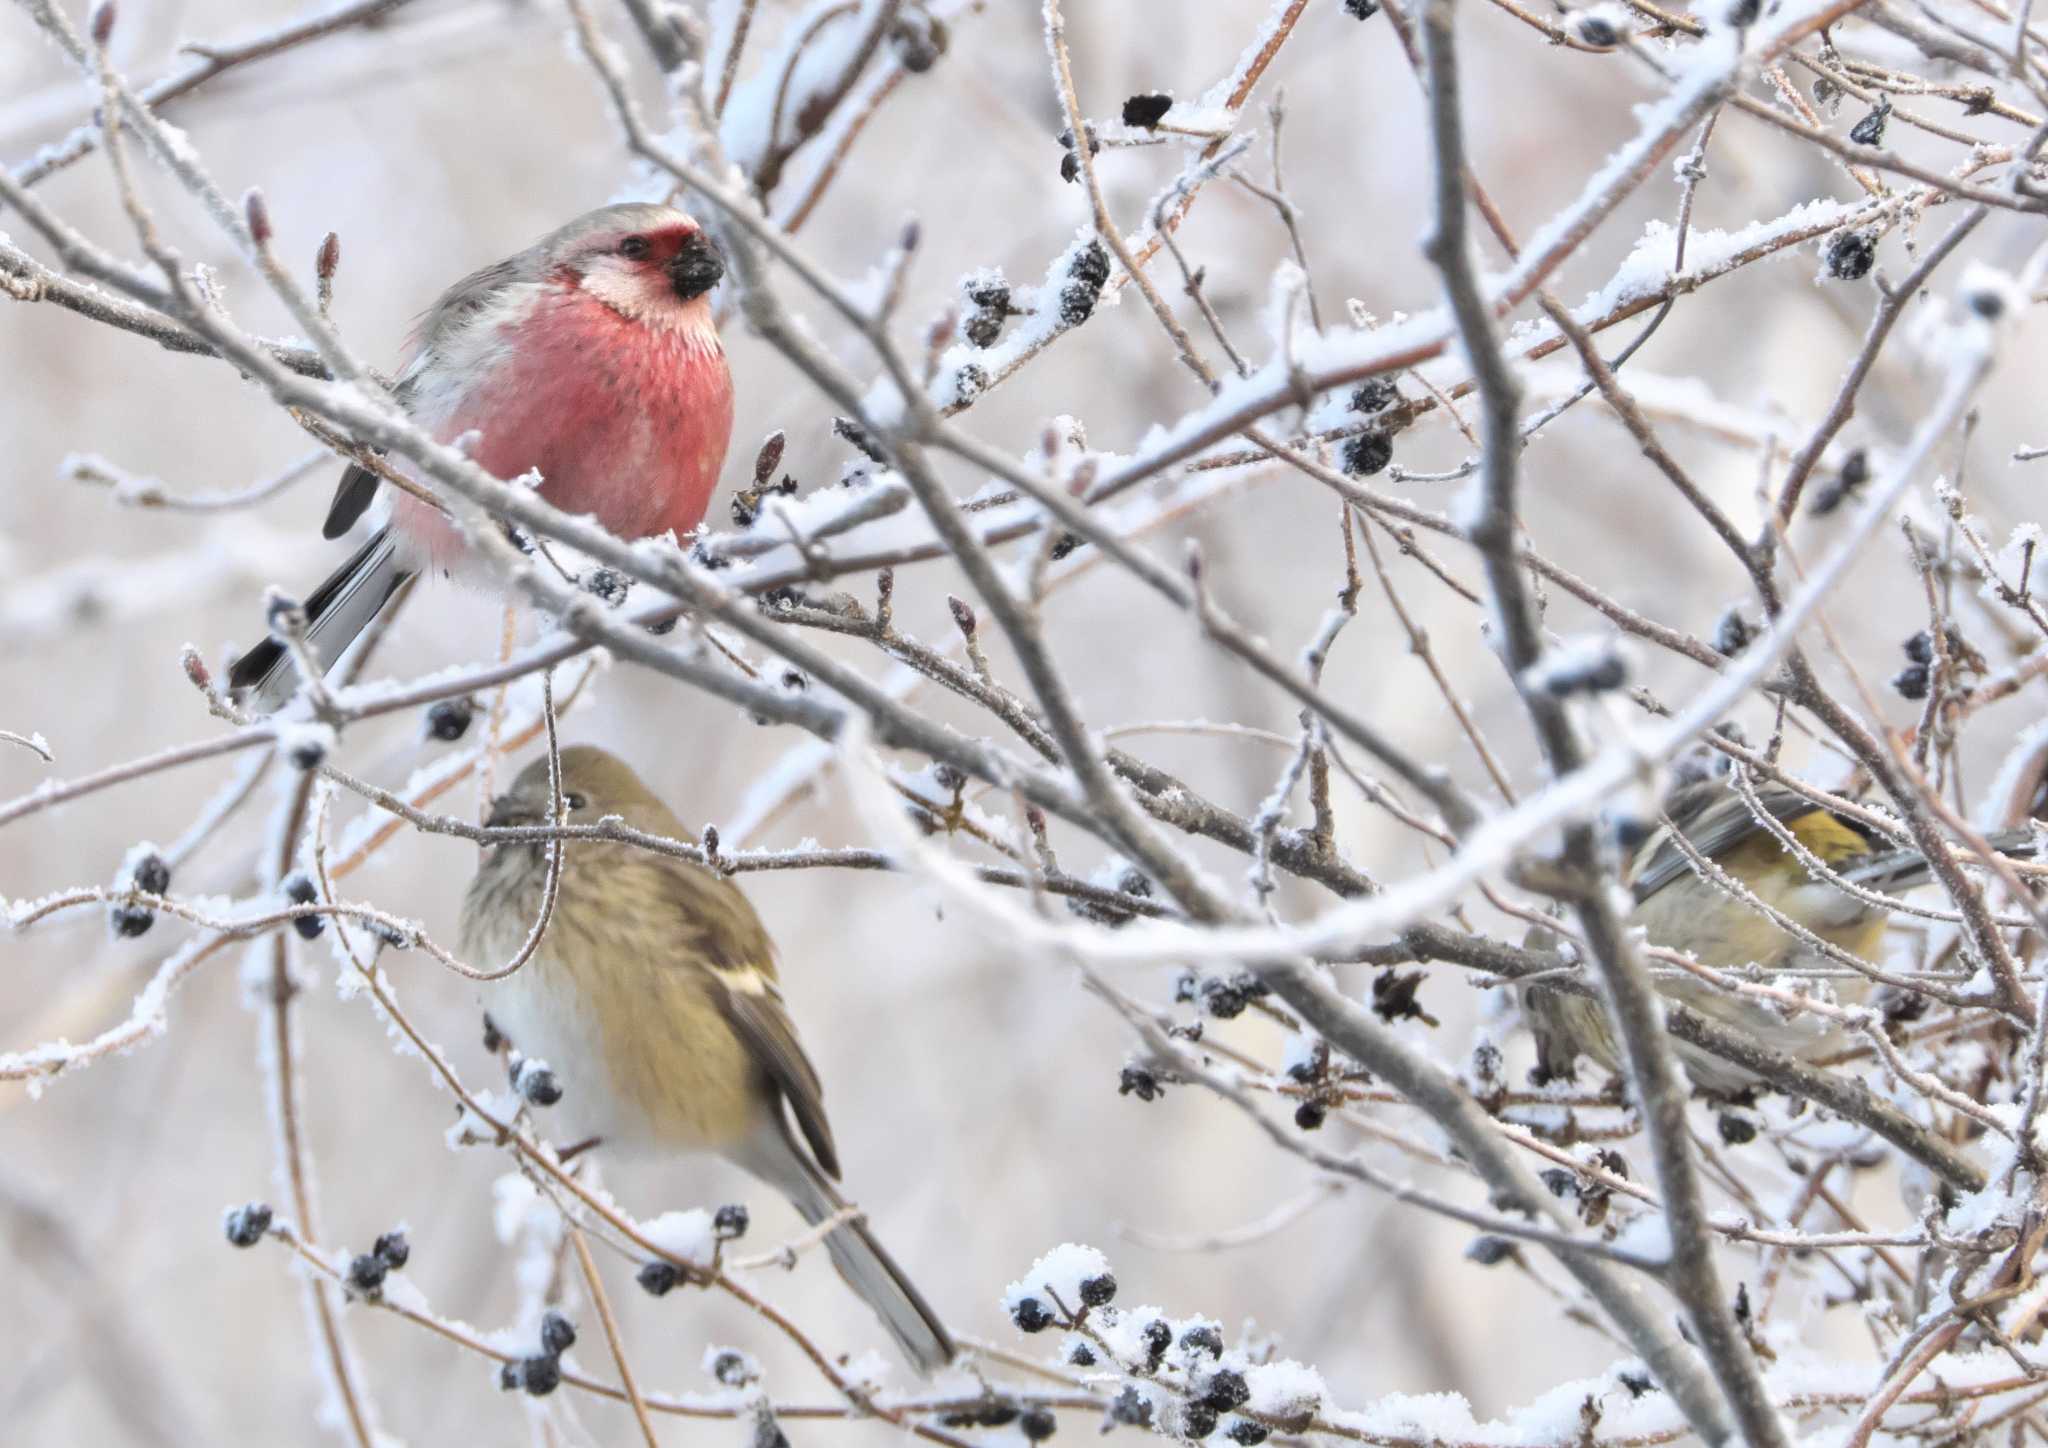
pixel 574 800
pixel 634 248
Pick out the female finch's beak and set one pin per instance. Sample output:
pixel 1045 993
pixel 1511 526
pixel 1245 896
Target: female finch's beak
pixel 507 810
pixel 696 268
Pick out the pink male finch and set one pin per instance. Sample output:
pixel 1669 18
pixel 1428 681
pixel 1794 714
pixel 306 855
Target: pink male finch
pixel 590 356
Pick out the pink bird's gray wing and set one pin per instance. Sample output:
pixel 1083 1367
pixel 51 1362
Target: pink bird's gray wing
pixel 452 310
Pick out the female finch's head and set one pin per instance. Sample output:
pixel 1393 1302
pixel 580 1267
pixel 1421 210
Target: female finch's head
pixel 642 261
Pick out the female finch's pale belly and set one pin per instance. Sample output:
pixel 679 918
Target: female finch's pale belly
pixel 642 1066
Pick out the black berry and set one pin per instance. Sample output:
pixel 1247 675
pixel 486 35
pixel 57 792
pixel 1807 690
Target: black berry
pixel 1361 9
pixel 1597 30
pixel 1147 110
pixel 1030 1315
pixel 658 1279
pixel 1098 1291
pixel 1198 1420
pixel 299 890
pixel 1137 1081
pixel 1920 648
pixel 1911 681
pixel 1367 453
pixel 392 1250
pixel 1227 1390
pixel 152 875
pixel 607 586
pixel 730 1221
pixel 732 1368
pixel 129 921
pixel 1131 1408
pixel 246 1225
pixel 448 719
pixel 366 1272
pixel 307 754
pixel 1245 1431
pixel 1158 1338
pixel 1375 394
pixel 557 1334
pixel 1490 1251
pixel 1736 1130
pixel 1038 1424
pixel 540 1375
pixel 1310 1115
pixel 1081 1355
pixel 1090 265
pixel 1077 303
pixel 983 328
pixel 1850 254
pixel 1870 130
pixel 538 1085
pixel 1203 1338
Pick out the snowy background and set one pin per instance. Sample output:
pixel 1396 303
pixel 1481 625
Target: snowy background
pixel 973 1086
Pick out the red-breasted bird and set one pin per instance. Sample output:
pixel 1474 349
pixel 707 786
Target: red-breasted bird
pixel 591 356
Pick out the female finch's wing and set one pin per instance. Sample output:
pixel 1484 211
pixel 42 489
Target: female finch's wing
pixel 722 935
pixel 452 310
pixel 754 1007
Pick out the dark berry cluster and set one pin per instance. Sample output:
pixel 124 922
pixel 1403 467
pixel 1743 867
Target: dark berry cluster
pixel 1139 1082
pixel 367 1270
pixel 1087 274
pixel 1912 681
pixel 1361 9
pixel 541 1373
pixel 1367 453
pixel 151 874
pixel 297 888
pixel 1070 162
pixel 1850 255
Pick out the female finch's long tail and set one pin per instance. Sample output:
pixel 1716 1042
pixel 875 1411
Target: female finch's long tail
pixel 339 610
pixel 868 1269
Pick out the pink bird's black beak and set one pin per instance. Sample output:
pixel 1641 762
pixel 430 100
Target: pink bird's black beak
pixel 696 267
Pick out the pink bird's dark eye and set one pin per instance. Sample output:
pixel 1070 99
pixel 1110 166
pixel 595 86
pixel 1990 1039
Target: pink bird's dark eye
pixel 635 248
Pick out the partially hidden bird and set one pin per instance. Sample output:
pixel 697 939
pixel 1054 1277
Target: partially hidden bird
pixel 591 357
pixel 1679 908
pixel 653 999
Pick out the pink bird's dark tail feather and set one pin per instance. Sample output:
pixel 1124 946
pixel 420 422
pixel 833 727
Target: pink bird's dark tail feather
pixel 339 609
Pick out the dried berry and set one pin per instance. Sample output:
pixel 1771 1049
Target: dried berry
pixel 1596 30
pixel 537 1084
pixel 1077 303
pixel 1197 1420
pixel 1226 1390
pixel 608 586
pixel 1090 265
pixel 1920 648
pixel 448 719
pixel 982 329
pixel 366 1272
pixel 392 1250
pixel 1245 1431
pixel 1489 1251
pixel 1030 1315
pixel 1311 1114
pixel 1375 394
pixel 1098 1291
pixel 245 1225
pixel 1038 1424
pixel 1202 1338
pixel 1870 130
pixel 1081 1355
pixel 1361 9
pixel 1733 633
pixel 1850 255
pixel 729 1222
pixel 540 1375
pixel 732 1368
pixel 1222 1000
pixel 1131 1408
pixel 1394 997
pixel 1147 110
pixel 299 890
pixel 557 1334
pixel 1911 682
pixel 129 921
pixel 1367 453
pixel 1736 1130
pixel 658 1279
pixel 152 875
pixel 1137 1081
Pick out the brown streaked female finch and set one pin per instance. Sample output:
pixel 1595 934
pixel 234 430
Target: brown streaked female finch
pixel 653 999
pixel 591 356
